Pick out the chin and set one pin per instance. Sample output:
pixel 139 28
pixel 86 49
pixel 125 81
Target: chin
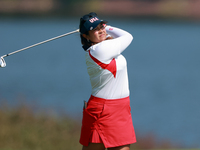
pixel 103 38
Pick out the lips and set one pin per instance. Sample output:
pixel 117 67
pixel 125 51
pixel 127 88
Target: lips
pixel 102 35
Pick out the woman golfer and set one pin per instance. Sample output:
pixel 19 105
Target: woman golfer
pixel 107 121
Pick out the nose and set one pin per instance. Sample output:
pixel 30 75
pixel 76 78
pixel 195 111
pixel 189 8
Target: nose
pixel 101 28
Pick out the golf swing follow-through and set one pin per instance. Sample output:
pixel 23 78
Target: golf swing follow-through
pixel 106 119
pixel 2 61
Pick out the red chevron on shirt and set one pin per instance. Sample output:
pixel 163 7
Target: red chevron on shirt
pixel 110 67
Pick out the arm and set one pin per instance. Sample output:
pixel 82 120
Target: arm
pixel 109 49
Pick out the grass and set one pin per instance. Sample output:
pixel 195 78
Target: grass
pixel 23 129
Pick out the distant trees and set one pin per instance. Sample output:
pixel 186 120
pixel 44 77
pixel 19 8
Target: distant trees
pixel 147 0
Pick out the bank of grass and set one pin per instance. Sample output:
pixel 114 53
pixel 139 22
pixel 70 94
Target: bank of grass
pixel 23 129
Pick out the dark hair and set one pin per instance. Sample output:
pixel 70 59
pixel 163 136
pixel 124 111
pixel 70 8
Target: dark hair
pixel 84 41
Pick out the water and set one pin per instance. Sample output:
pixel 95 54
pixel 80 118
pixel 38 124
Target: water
pixel 163 63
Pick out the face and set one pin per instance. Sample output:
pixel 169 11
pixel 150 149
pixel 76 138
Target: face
pixel 98 34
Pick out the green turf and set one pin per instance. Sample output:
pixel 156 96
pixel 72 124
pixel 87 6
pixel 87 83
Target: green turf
pixel 21 129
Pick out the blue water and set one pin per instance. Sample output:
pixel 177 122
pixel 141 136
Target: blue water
pixel 163 64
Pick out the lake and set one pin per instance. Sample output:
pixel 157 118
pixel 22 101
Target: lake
pixel 163 68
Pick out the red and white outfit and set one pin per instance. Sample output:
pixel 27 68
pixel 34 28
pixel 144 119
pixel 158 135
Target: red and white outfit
pixel 107 118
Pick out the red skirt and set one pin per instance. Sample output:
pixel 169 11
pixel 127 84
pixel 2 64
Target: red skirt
pixel 108 122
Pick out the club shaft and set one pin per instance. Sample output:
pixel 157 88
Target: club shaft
pixel 41 43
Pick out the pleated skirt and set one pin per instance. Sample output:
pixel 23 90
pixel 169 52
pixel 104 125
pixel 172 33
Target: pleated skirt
pixel 108 122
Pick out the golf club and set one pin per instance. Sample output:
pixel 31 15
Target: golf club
pixel 2 61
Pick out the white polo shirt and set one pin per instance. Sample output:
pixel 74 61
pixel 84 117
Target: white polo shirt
pixel 106 66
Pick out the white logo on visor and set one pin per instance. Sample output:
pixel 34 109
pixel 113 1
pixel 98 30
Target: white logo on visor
pixel 93 19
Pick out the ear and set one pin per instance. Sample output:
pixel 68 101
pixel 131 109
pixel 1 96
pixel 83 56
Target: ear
pixel 84 35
